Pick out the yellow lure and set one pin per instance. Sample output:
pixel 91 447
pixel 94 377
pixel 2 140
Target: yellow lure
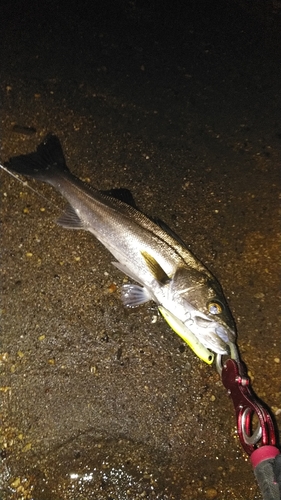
pixel 184 332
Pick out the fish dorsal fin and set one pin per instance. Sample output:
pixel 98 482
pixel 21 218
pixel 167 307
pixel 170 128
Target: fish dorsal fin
pixel 155 268
pixel 121 194
pixel 168 230
pixel 69 219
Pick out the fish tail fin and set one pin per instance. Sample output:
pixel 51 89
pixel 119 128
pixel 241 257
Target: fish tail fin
pixel 43 164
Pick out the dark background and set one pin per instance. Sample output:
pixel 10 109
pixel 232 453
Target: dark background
pixel 180 103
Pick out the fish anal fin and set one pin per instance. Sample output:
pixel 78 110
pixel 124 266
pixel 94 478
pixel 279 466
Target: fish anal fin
pixel 69 219
pixel 156 270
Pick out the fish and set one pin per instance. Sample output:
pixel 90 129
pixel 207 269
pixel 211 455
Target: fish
pixel 146 250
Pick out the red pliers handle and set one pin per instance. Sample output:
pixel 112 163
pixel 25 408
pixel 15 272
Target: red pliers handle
pixel 259 444
pixel 247 405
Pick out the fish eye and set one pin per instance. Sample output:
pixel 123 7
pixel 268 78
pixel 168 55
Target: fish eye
pixel 214 307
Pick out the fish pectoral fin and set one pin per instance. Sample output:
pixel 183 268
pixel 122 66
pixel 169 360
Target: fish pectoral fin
pixel 155 268
pixel 69 219
pixel 134 295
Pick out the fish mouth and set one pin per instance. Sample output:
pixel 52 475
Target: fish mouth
pixel 214 342
pixel 223 334
pixel 211 334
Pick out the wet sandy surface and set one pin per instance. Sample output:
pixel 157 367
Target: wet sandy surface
pixel 183 109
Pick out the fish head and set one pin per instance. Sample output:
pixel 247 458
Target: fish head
pixel 198 301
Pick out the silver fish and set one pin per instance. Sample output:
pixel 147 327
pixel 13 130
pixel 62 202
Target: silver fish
pixel 147 252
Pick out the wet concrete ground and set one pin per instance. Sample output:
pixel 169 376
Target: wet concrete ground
pixel 182 107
